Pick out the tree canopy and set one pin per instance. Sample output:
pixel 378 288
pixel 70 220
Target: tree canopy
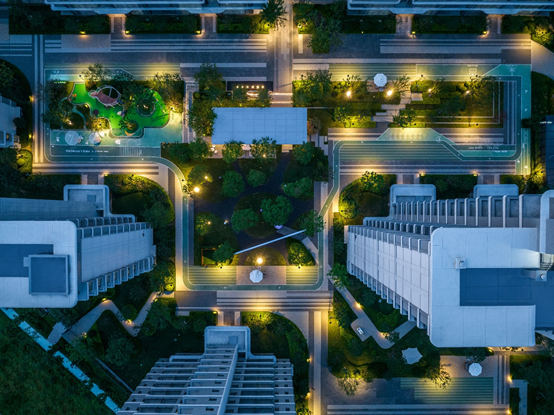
pixel 233 184
pixel 256 178
pixel 303 153
pixel 232 150
pixel 244 219
pixel 273 13
pixel 339 275
pixel 264 149
pixel 276 212
pixel 224 253
pixel 373 182
pixel 300 189
pixel 312 222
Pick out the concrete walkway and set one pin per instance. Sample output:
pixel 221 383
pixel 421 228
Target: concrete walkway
pixel 306 241
pixel 86 322
pixel 56 333
pixel 542 60
pixel 367 326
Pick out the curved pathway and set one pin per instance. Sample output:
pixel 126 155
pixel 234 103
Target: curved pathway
pixel 86 322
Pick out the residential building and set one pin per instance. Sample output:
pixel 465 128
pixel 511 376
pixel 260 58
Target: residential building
pixel 54 253
pixel 472 272
pixel 547 143
pixel 226 379
pixel 153 6
pixel 449 6
pixel 8 112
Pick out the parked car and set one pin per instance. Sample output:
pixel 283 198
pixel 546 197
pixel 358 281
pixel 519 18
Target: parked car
pixel 359 330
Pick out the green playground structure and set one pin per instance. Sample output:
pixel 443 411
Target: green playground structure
pixel 111 109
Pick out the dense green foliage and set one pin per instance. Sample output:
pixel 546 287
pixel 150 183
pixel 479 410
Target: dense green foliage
pixel 539 27
pixel 232 150
pixel 254 202
pixel 451 186
pixel 33 19
pixel 182 23
pixel 264 150
pixel 300 189
pixel 277 335
pixel 355 202
pixel 15 86
pixel 256 178
pixel 244 219
pixel 299 254
pixel 224 253
pixel 211 232
pixel 276 212
pixel 273 13
pixel 233 184
pixel 32 380
pixel 239 23
pixel 303 153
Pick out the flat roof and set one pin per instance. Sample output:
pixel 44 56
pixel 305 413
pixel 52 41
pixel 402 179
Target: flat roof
pixel 48 274
pixel 13 255
pixel 284 125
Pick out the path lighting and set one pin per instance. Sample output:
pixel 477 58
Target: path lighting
pixel 209 223
pixel 260 260
pixel 126 32
pixel 358 305
pixel 389 92
pixel 348 93
pixel 215 312
pixel 198 31
pixel 196 189
pixel 429 90
pixel 308 360
pixel 83 33
pixel 206 177
pixel 467 92
pixel 413 32
pixel 485 32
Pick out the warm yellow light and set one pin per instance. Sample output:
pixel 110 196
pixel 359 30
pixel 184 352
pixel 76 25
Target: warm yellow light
pixel 308 394
pixel 358 305
pixel 308 360
pixel 104 299
pixel 209 223
pixel 485 32
pixel 429 90
pixel 196 189
pixel 348 93
pixel 126 32
pixel 467 92
pixel 83 33
pixel 206 177
pixel 389 92
pixel 198 31
pixel 215 312
pixel 413 32
pixel 260 260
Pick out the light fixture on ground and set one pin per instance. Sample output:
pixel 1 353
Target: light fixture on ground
pixel 348 94
pixel 196 189
pixel 260 260
pixel 389 92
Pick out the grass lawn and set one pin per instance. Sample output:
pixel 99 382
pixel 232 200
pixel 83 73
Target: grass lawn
pixel 158 119
pixel 33 381
pixel 451 186
pixel 269 255
pixel 254 202
pixel 241 23
pixel 210 232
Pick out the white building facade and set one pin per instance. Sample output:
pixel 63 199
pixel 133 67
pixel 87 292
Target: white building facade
pixel 472 272
pixel 226 379
pixel 445 6
pixel 54 253
pixel 153 6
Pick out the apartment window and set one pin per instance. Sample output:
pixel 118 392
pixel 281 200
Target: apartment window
pixel 213 399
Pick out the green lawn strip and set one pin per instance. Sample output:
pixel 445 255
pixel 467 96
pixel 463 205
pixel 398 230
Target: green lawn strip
pixel 34 19
pixel 271 333
pixel 270 256
pixel 33 380
pixel 212 234
pixel 430 24
pixel 366 204
pixel 349 357
pixel 239 23
pixel 539 27
pixel 254 202
pixel 451 186
pixel 180 24
pixel 350 24
pixel 385 317
pixel 160 117
pixel 20 92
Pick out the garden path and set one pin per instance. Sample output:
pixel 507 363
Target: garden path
pixel 132 327
pixel 365 323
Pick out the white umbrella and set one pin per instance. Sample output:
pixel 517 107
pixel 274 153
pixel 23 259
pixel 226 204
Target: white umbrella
pixel 72 138
pixel 380 80
pixel 475 369
pixel 256 276
pixel 411 355
pixel 94 138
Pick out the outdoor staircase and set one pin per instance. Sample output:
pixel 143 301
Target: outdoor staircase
pixel 303 276
pixel 391 110
pixel 220 276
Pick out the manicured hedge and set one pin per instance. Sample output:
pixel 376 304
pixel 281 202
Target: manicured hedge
pixel 33 20
pixel 423 24
pixel 189 23
pixel 240 23
pixel 369 24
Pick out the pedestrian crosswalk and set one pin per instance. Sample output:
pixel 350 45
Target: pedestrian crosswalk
pixel 16 49
pixel 274 300
pixel 470 390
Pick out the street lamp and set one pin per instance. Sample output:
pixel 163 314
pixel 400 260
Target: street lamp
pixel 389 92
pixel 348 94
pixel 260 260
pixel 196 189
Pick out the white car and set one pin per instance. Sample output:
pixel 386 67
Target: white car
pixel 359 330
